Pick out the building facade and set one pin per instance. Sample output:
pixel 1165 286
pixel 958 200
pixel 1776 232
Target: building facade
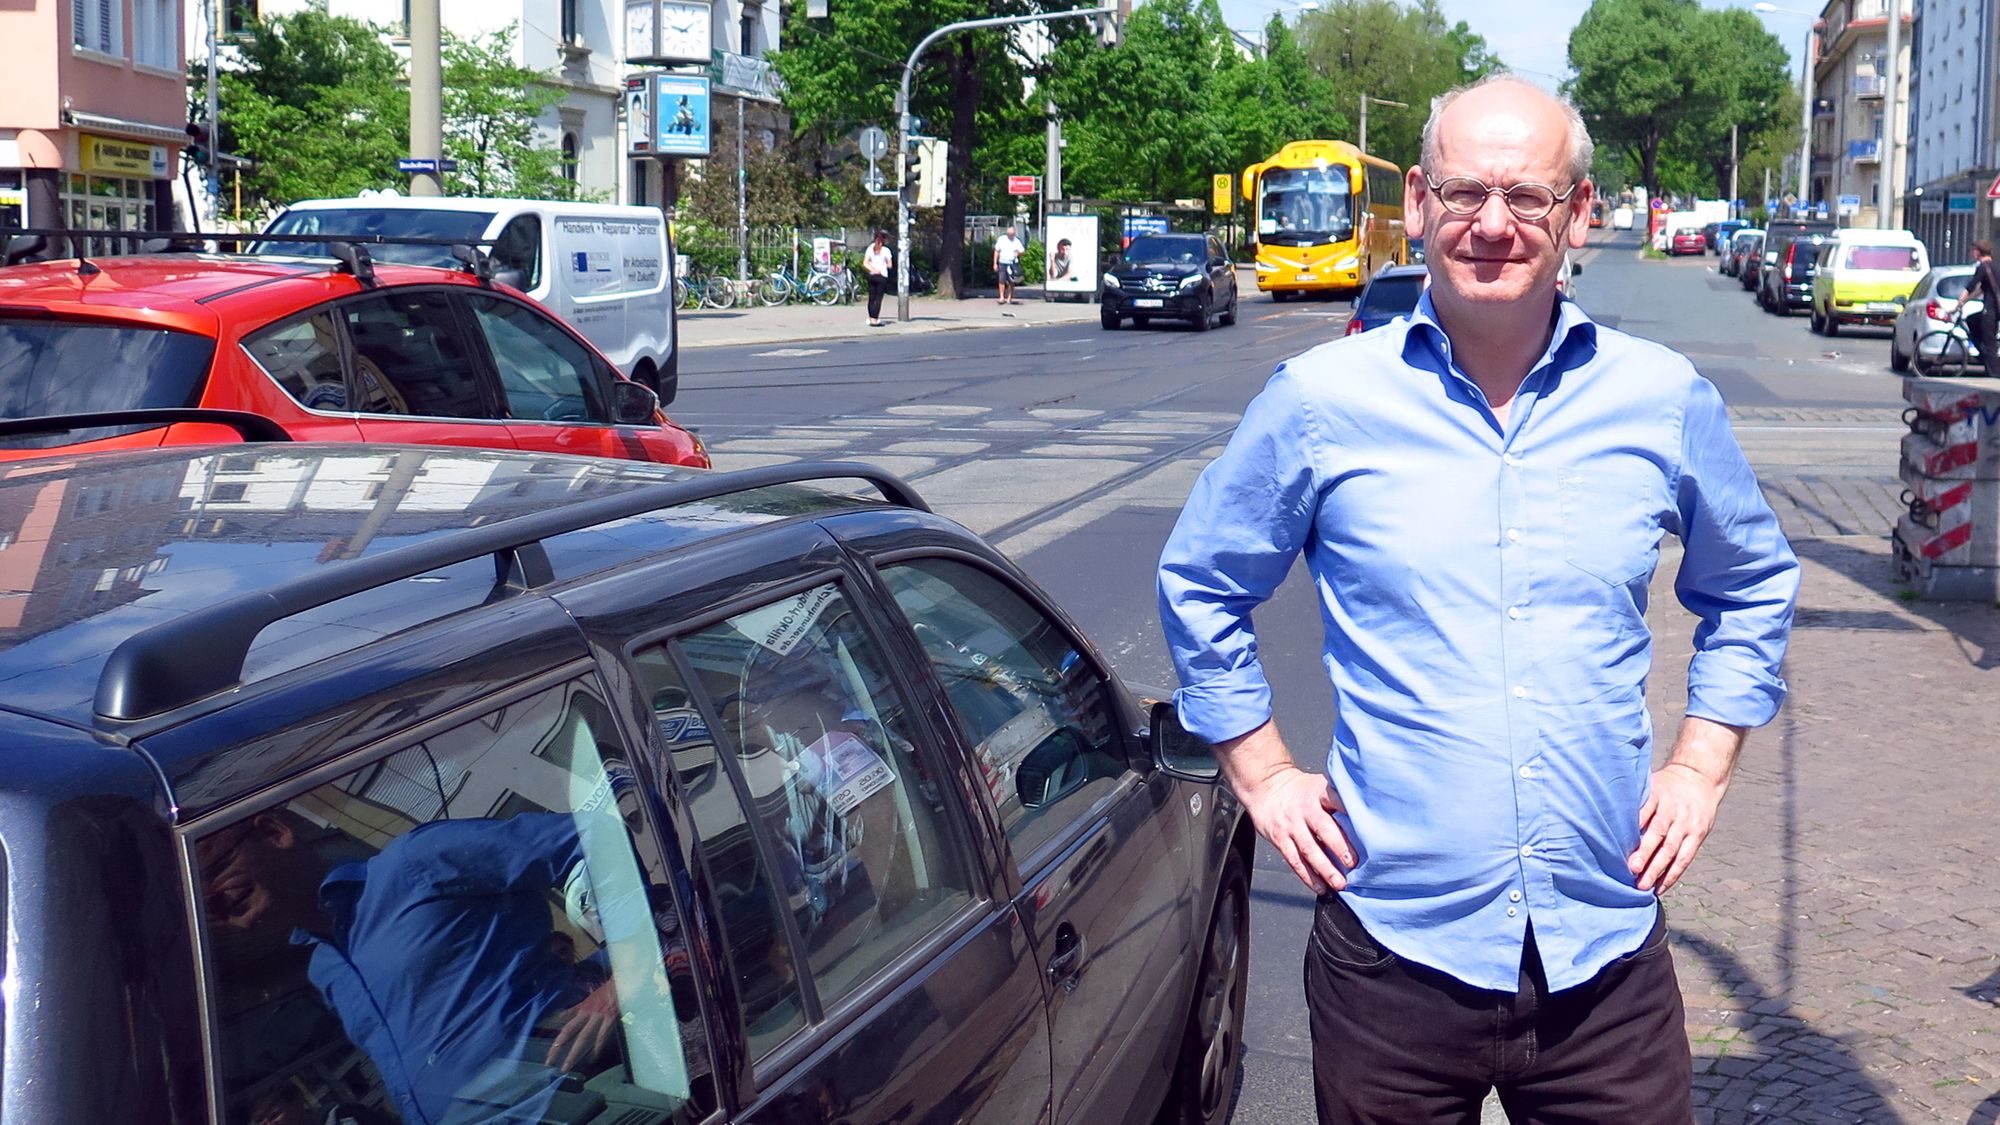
pixel 93 114
pixel 1849 156
pixel 575 42
pixel 1954 142
pixel 744 105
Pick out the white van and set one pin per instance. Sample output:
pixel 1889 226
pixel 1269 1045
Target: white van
pixel 606 269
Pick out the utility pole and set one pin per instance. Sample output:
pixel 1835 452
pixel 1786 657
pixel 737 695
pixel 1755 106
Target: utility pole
pixel 905 142
pixel 1767 191
pixel 1888 195
pixel 1362 140
pixel 426 95
pixel 1732 172
pixel 214 116
pixel 742 201
pixel 1805 121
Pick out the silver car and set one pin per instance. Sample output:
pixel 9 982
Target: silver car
pixel 1929 310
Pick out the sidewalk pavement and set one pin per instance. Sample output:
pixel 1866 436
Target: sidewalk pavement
pixel 794 323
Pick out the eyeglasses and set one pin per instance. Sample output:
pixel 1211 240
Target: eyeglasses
pixel 1464 195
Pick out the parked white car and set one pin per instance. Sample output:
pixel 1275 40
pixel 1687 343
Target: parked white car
pixel 1929 310
pixel 604 268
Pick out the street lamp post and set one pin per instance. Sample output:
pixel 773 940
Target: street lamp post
pixel 1889 195
pixel 1805 98
pixel 1365 100
pixel 903 130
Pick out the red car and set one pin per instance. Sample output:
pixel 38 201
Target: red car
pixel 1687 240
pixel 349 351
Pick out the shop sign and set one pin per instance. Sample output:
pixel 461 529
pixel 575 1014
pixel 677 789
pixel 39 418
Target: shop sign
pixel 109 156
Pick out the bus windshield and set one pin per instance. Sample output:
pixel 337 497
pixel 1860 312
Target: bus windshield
pixel 1304 206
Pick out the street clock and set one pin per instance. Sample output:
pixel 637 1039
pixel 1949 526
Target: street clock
pixel 668 32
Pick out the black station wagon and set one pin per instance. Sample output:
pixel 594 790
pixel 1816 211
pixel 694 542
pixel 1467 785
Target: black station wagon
pixel 367 784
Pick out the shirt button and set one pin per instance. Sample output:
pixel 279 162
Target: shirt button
pixel 1511 912
pixel 1526 772
pixel 1513 535
pixel 1527 851
pixel 1513 896
pixel 1511 458
pixel 1513 613
pixel 1520 692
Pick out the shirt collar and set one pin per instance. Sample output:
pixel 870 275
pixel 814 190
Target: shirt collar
pixel 1571 345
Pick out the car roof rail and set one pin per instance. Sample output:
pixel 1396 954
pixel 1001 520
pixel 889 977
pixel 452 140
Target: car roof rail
pixel 151 672
pixel 252 427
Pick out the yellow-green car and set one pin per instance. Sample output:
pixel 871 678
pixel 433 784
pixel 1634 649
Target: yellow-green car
pixel 1864 276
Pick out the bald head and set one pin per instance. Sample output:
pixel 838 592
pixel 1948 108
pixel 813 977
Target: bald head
pixel 1504 108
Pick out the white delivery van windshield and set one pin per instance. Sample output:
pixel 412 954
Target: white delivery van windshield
pixel 392 222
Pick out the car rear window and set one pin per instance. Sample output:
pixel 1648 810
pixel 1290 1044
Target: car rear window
pixel 391 222
pixel 1953 285
pixel 1392 295
pixel 53 366
pixel 1882 258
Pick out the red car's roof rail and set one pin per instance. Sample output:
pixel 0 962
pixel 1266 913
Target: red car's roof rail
pixel 40 244
pixel 150 672
pixel 252 427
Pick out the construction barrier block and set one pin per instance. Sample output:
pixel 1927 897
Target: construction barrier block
pixel 1935 580
pixel 1961 516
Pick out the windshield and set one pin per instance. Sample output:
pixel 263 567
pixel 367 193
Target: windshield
pixel 1157 250
pixel 1882 258
pixel 50 366
pixel 1953 285
pixel 447 226
pixel 1390 296
pixel 1301 205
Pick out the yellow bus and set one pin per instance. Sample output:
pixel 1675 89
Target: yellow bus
pixel 1326 217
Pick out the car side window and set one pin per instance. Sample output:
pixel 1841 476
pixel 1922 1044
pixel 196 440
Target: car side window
pixel 1033 708
pixel 476 927
pixel 544 373
pixel 822 825
pixel 519 248
pixel 411 357
pixel 303 357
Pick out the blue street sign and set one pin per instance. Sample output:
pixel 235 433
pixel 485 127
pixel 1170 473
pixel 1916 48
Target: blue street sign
pixel 1962 203
pixel 680 115
pixel 426 164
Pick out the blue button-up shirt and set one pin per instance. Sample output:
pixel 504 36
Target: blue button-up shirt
pixel 1483 591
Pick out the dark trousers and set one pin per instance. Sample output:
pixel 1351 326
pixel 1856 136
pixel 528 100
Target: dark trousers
pixel 877 285
pixel 1396 1043
pixel 1981 325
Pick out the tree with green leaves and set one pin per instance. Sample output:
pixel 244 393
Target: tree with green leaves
pixel 1663 80
pixel 492 106
pixel 1396 52
pixel 841 73
pixel 318 101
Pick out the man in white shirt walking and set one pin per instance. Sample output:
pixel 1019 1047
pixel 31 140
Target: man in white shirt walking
pixel 1007 251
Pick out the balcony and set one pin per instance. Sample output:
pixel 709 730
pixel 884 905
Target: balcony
pixel 1865 152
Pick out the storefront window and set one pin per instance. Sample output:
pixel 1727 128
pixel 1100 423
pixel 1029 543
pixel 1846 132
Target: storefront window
pixel 109 203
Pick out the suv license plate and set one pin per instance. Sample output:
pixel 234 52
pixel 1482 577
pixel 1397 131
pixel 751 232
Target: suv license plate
pixel 1149 303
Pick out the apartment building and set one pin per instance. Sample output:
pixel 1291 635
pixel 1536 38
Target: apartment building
pixel 1954 142
pixel 1849 103
pixel 92 114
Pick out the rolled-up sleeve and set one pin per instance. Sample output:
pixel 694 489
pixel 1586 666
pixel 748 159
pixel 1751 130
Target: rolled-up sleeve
pixel 1738 576
pixel 1244 524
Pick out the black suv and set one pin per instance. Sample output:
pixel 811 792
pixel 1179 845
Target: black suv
pixel 1170 276
pixel 354 783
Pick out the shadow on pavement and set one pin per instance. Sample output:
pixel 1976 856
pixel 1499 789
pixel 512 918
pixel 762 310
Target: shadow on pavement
pixel 1974 626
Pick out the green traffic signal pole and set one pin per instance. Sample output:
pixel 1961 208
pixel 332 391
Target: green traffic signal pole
pixel 903 138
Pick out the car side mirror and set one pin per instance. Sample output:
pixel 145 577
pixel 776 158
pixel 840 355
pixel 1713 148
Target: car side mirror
pixel 633 404
pixel 1575 268
pixel 1177 753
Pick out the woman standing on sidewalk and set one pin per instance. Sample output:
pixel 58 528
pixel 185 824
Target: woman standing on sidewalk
pixel 878 260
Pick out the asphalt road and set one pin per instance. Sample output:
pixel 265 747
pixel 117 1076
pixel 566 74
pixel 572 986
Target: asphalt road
pixel 1074 447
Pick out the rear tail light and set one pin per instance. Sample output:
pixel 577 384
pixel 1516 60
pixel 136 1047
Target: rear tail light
pixel 1935 311
pixel 1353 326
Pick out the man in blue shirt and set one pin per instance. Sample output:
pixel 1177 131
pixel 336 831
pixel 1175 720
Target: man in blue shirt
pixel 1480 491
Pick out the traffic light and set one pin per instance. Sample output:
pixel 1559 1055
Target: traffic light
pixel 932 156
pixel 199 144
pixel 1110 28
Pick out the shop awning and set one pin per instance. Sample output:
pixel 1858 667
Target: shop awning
pixel 120 127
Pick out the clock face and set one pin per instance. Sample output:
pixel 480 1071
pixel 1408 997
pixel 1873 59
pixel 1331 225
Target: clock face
pixel 639 29
pixel 684 30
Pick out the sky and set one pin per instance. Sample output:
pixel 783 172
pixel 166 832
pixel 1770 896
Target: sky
pixel 1533 37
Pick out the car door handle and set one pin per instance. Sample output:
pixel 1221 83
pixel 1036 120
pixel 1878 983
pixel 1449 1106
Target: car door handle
pixel 1066 963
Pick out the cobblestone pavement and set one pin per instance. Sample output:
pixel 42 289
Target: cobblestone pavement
pixel 1837 939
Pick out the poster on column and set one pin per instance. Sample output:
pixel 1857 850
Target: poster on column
pixel 1072 254
pixel 680 115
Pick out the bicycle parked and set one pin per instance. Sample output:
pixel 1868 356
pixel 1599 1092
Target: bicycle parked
pixel 782 285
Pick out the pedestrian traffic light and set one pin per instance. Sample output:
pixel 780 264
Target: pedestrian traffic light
pixel 1110 28
pixel 932 157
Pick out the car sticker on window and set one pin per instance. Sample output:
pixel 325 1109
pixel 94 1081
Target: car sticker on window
pixel 845 770
pixel 781 627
